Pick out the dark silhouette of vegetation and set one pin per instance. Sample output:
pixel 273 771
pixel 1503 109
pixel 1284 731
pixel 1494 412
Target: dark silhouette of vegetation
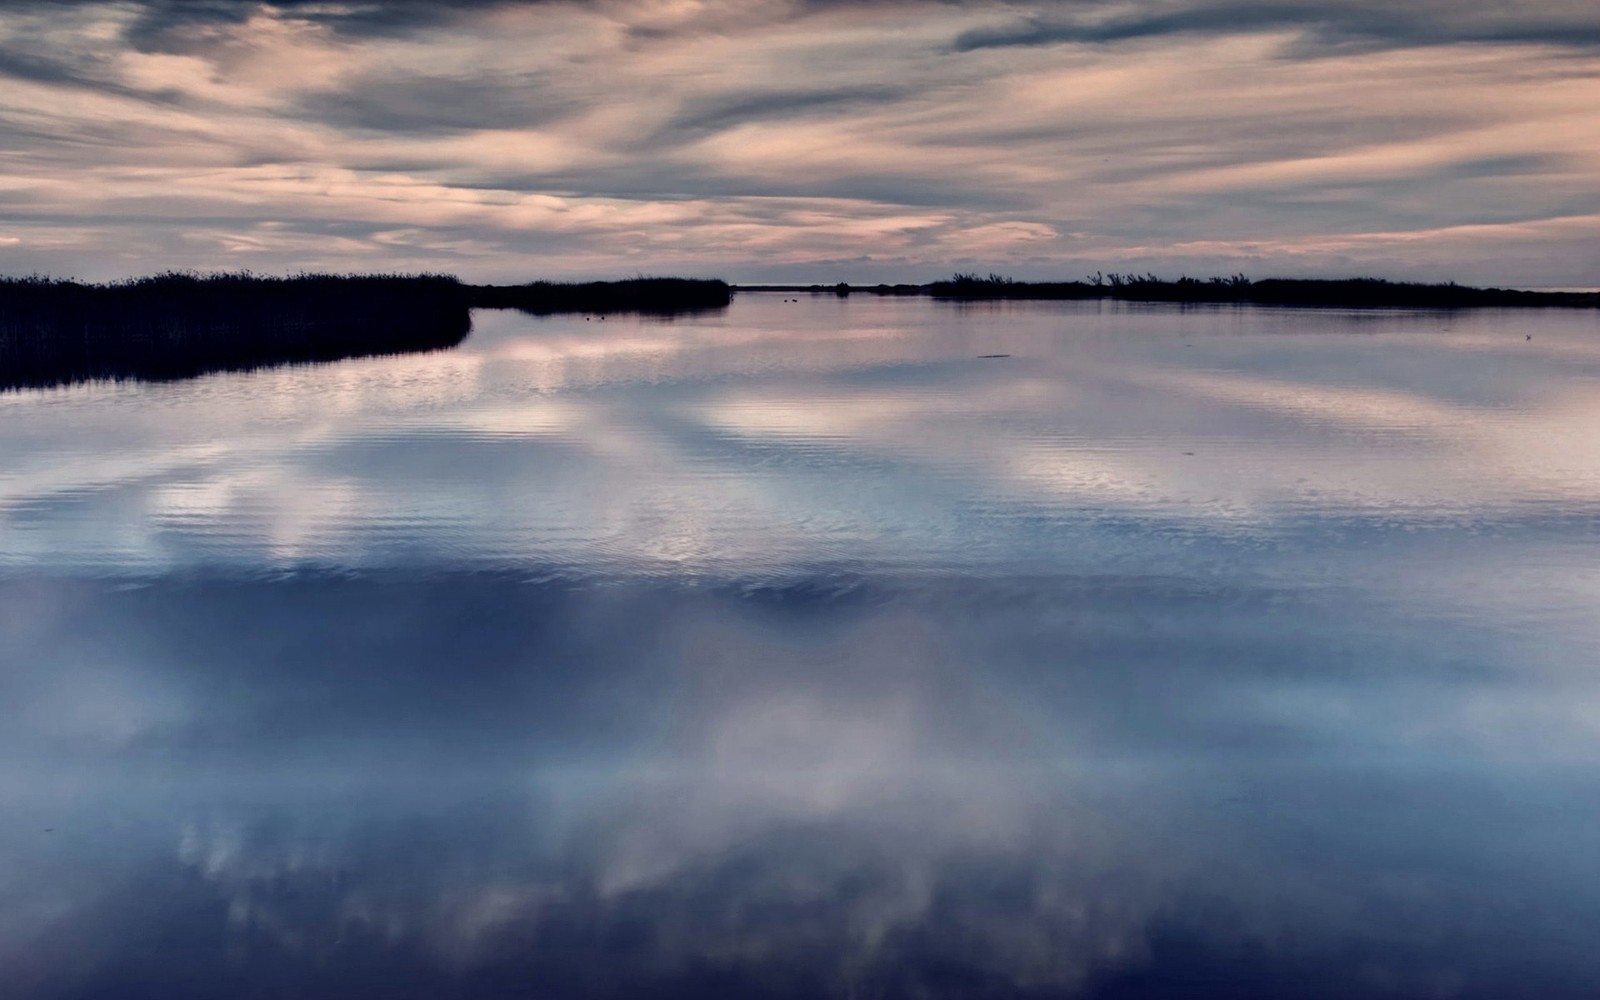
pixel 971 286
pixel 179 325
pixel 637 295
pixel 1337 293
pixel 1376 292
pixel 1349 292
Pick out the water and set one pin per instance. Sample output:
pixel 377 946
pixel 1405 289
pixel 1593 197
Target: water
pixel 800 651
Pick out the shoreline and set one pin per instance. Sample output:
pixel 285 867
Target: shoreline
pixel 174 326
pixel 1317 293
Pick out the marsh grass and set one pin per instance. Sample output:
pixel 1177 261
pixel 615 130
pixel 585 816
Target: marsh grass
pixel 1346 292
pixel 177 325
pixel 632 295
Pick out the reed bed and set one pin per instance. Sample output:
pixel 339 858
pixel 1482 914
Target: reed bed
pixel 1336 293
pixel 179 325
pixel 635 295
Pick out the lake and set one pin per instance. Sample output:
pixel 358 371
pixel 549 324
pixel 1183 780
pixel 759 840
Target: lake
pixel 807 650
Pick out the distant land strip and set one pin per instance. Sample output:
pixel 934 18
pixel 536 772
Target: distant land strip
pixel 179 325
pixel 639 295
pixel 1310 292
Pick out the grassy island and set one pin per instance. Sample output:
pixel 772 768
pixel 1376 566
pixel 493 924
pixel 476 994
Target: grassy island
pixel 638 295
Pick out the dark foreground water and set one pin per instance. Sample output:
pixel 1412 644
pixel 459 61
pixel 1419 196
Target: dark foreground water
pixel 799 651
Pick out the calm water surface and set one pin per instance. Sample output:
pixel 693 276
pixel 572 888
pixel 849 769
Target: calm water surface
pixel 800 651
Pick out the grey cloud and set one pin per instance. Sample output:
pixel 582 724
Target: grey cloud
pixel 40 69
pixel 166 25
pixel 35 50
pixel 430 105
pixel 1502 166
pixel 726 112
pixel 1322 25
pixel 162 25
pixel 169 25
pixel 660 181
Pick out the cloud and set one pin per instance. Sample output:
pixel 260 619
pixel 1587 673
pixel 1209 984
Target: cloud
pixel 1319 25
pixel 726 111
pixel 789 139
pixel 425 105
pixel 165 25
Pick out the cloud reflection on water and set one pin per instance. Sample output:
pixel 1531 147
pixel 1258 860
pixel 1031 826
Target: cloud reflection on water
pixel 791 654
pixel 746 422
pixel 1026 786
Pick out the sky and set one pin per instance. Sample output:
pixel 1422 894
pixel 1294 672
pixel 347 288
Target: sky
pixel 804 140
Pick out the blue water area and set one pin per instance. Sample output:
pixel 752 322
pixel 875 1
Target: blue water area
pixel 833 648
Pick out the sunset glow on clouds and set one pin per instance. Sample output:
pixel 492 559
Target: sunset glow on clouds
pixel 804 141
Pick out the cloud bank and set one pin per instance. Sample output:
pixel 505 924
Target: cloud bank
pixel 797 140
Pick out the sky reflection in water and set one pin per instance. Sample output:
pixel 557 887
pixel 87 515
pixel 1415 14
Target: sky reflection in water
pixel 799 651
